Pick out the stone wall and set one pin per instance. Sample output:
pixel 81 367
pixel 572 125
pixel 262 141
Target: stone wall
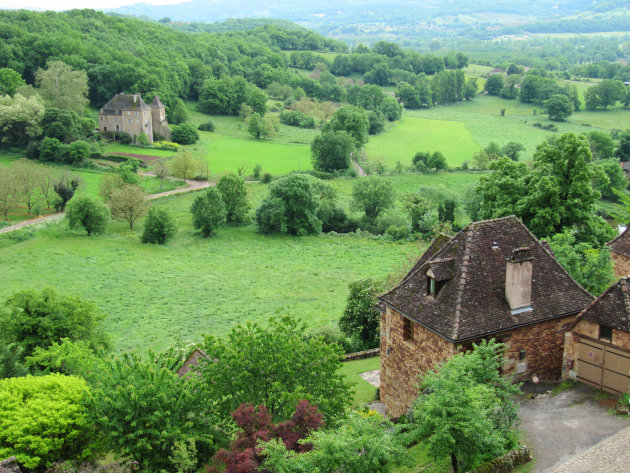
pixel 11 465
pixel 128 122
pixel 622 264
pixel 587 328
pixel 403 360
pixel 543 344
pixel 160 126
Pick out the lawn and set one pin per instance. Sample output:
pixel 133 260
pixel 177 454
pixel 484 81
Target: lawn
pixel 364 392
pixel 151 295
pixel 412 134
pixel 120 148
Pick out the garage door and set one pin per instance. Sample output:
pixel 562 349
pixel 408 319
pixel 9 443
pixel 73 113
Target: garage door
pixel 603 367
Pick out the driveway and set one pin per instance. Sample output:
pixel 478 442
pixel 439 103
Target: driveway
pixel 563 426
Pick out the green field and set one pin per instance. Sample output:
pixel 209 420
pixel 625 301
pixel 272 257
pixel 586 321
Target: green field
pixel 153 294
pixel 412 134
pixel 120 148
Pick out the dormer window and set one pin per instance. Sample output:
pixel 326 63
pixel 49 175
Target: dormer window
pixel 431 286
pixel 605 333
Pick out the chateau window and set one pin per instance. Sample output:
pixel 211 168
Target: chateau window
pixel 130 120
pixel 407 329
pixel 101 118
pixel 128 113
pixel 136 114
pixel 605 333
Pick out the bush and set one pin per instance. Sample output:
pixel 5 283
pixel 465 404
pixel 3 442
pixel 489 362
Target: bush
pixel 207 126
pixel 397 233
pixel 43 420
pixel 297 118
pixel 360 318
pixel 159 226
pixel 234 195
pixel 332 151
pixel 166 145
pixel 507 462
pixel 123 137
pixel 184 134
pixel 89 213
pixel 208 211
pixel 266 178
pixel 257 170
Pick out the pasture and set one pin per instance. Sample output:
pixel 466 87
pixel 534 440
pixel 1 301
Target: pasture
pixel 151 295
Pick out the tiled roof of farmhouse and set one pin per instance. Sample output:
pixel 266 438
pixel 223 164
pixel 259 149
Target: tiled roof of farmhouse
pixel 126 102
pixel 621 244
pixel 472 267
pixel 612 308
pixel 157 103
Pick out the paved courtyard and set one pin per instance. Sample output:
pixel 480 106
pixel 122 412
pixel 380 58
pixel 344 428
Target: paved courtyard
pixel 560 427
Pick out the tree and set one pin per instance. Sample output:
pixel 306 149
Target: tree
pixel 608 177
pixel 494 84
pixel 372 195
pixel 179 113
pixel 559 108
pixel 9 81
pixel 257 126
pixel 256 426
pixel 466 409
pixel 43 420
pixel 27 175
pixel 50 149
pixel 409 96
pixel 7 192
pixel 291 207
pixel 351 119
pixel 184 134
pixel 234 194
pixel 332 151
pixel 128 202
pixel 376 121
pixel 391 108
pixel 161 171
pixel 159 226
pixel 108 184
pixel 36 319
pixel 623 150
pixel 604 94
pixel 62 87
pixel 19 119
pixel 437 161
pixel 183 165
pixel 78 153
pixel 277 365
pixel 360 318
pixel 89 213
pixel 591 267
pixel 208 211
pixel 142 408
pixel 361 444
pixel 65 188
pixel 602 145
pixel 46 186
pixel 512 150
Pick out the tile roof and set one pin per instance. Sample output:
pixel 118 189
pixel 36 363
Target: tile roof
pixel 621 244
pixel 120 102
pixel 472 303
pixel 157 103
pixel 612 308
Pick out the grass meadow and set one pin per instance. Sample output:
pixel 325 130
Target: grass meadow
pixel 364 392
pixel 151 295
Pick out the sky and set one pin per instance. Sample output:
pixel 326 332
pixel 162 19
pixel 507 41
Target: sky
pixel 70 4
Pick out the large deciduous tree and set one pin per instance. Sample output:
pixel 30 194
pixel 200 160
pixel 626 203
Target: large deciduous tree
pixel 360 318
pixel 10 80
pixel 27 175
pixel 20 119
pixel 63 87
pixel 332 151
pixel 276 366
pixel 351 119
pixel 7 192
pixel 559 108
pixel 372 195
pixel 89 213
pixel 183 165
pixel 467 409
pixel 128 202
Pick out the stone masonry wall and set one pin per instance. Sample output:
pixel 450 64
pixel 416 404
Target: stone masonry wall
pixel 543 344
pixel 403 360
pixel 621 263
pixel 587 328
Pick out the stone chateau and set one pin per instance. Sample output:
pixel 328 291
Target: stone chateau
pixel 130 114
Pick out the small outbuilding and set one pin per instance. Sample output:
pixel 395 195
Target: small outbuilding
pixel 597 344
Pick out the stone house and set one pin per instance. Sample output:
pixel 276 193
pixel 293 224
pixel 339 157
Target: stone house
pixel 494 279
pixel 597 343
pixel 130 114
pixel 191 362
pixel 620 253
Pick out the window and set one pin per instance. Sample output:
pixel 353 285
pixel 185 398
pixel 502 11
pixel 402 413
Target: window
pixel 101 118
pixel 130 120
pixel 128 113
pixel 605 333
pixel 407 329
pixel 431 286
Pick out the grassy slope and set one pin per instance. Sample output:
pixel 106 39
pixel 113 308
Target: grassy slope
pixel 151 294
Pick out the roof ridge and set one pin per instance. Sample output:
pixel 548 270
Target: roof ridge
pixel 618 236
pixel 462 280
pixel 580 316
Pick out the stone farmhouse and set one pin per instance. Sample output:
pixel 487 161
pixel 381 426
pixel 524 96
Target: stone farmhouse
pixel 597 343
pixel 494 279
pixel 130 114
pixel 620 253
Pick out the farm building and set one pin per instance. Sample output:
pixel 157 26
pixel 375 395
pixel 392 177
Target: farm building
pixel 597 344
pixel 620 253
pixel 128 113
pixel 494 279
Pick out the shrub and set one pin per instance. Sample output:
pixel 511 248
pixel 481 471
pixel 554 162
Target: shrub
pixel 360 318
pixel 208 211
pixel 506 463
pixel 123 137
pixel 43 420
pixel 266 178
pixel 184 134
pixel 166 145
pixel 332 151
pixel 397 233
pixel 207 126
pixel 89 213
pixel 297 118
pixel 257 170
pixel 159 226
pixel 232 190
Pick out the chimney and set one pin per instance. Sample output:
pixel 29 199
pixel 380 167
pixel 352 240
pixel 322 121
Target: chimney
pixel 518 280
pixel 135 98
